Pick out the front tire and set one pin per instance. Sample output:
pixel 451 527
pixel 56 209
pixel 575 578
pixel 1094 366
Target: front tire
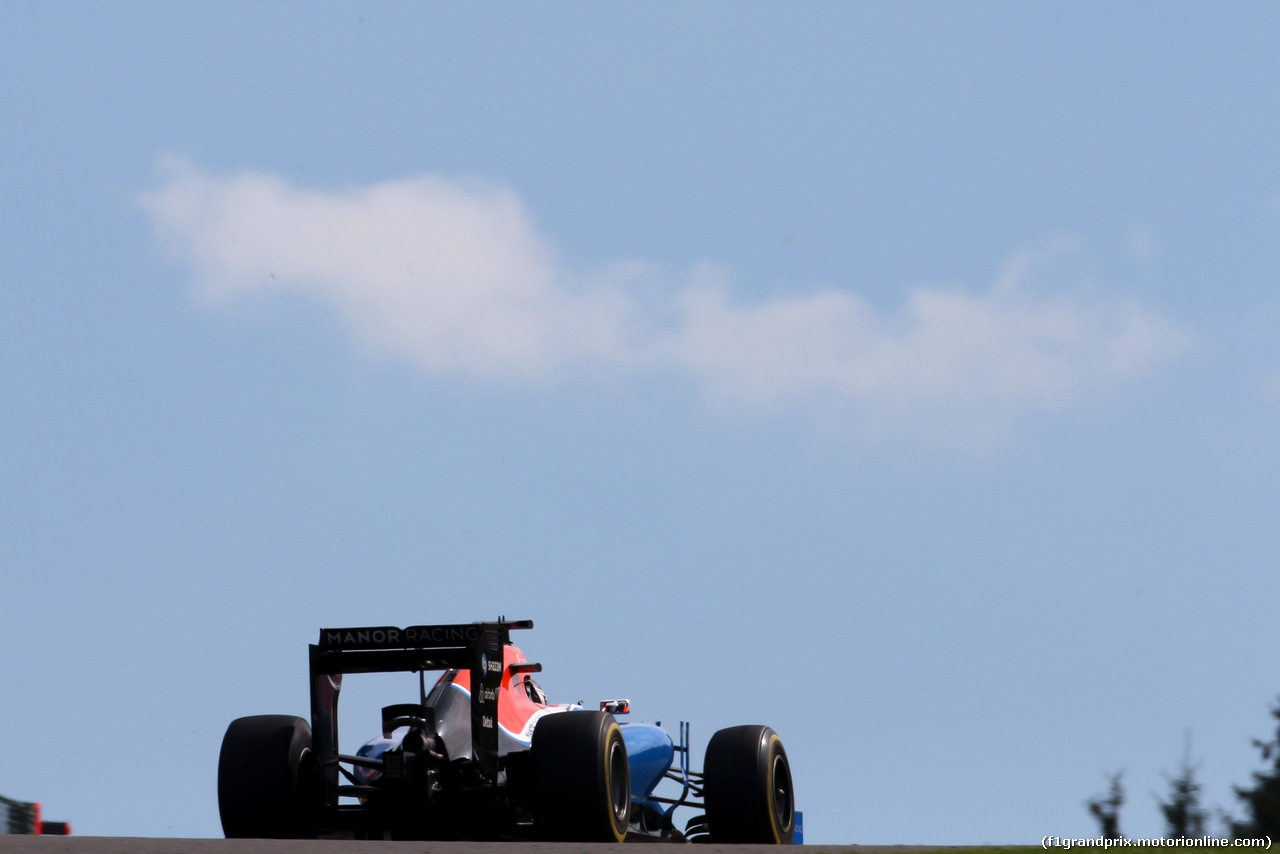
pixel 747 787
pixel 268 779
pixel 582 778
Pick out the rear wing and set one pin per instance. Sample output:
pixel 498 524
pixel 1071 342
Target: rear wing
pixel 476 647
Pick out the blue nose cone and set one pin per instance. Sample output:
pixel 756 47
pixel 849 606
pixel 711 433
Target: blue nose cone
pixel 649 753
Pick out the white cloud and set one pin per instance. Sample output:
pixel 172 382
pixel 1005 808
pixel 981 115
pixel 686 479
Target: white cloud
pixel 447 274
pixel 454 277
pixel 951 368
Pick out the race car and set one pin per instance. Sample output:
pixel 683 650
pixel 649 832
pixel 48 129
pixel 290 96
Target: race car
pixel 484 755
pixel 25 817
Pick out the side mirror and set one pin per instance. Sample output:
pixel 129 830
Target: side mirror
pixel 615 707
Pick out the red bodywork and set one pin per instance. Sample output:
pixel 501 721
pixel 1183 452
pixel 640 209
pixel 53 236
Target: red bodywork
pixel 517 707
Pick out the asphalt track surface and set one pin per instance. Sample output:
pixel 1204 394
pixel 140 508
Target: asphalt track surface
pixel 148 845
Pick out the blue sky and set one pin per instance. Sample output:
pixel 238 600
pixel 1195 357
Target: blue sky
pixel 901 376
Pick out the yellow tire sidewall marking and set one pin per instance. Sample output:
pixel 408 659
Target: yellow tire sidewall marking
pixel 773 807
pixel 608 778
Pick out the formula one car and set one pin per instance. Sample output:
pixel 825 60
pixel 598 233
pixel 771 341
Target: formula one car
pixel 25 817
pixel 483 755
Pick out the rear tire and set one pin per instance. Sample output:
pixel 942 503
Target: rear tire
pixel 582 778
pixel 747 787
pixel 268 779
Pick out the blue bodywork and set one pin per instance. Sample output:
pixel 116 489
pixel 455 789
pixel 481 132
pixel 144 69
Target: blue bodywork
pixel 649 753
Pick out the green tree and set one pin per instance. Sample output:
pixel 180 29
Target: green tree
pixel 1107 809
pixel 1262 800
pixel 1183 815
